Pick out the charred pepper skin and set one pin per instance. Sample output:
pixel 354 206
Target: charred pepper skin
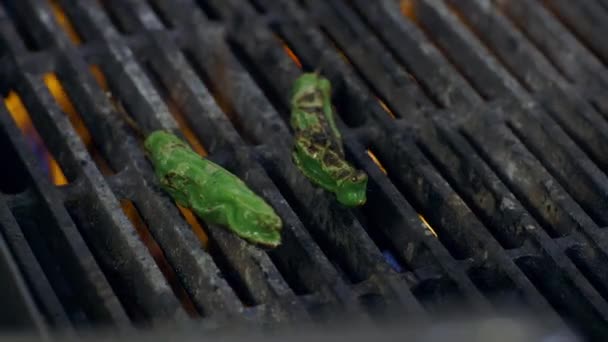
pixel 318 151
pixel 214 194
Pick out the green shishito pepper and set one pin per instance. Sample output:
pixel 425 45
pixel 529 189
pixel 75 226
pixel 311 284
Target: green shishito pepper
pixel 318 150
pixel 214 194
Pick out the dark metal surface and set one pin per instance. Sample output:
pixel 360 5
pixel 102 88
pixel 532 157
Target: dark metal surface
pixel 497 136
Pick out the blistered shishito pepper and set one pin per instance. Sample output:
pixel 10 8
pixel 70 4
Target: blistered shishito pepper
pixel 318 150
pixel 214 194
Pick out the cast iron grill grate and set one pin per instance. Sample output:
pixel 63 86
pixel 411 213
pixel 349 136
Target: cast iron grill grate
pixel 482 126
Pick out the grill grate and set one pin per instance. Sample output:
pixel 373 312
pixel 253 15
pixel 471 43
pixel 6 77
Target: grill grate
pixel 482 126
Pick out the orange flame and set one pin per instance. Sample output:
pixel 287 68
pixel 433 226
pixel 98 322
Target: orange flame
pixel 386 109
pixel 376 161
pixel 195 225
pixel 185 128
pixel 52 83
pixel 22 118
pixel 157 254
pixel 99 77
pixel 427 225
pixel 289 52
pixel 292 55
pixel 63 100
pixel 408 9
pixel 192 139
pixel 198 147
pixel 64 22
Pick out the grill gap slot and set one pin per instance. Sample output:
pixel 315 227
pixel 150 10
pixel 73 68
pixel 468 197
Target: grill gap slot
pixel 562 294
pixel 146 237
pixel 382 241
pixel 160 14
pixel 425 90
pixel 553 111
pixel 386 108
pixel 34 220
pixel 500 290
pixel 599 109
pixel 220 98
pixel 438 295
pixel 64 102
pixel 231 275
pixel 174 109
pixel 439 231
pixel 121 107
pixel 22 119
pixel 13 175
pixel 263 82
pixel 113 16
pixel 463 20
pixel 408 9
pixel 592 264
pixel 289 51
pixel 338 98
pixel 522 139
pixel 208 10
pixel 375 304
pixel 192 139
pixel 99 76
pixel 65 23
pixel 26 309
pixel 576 32
pixel 378 95
pixel 506 241
pixel 546 54
pixel 334 256
pixel 81 213
pixel 522 198
pixel 289 273
pixel 376 213
pixel 195 224
pixel 257 6
pixel 26 37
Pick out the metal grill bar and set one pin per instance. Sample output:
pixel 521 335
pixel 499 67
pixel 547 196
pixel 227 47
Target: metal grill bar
pixel 46 297
pixel 24 313
pixel 586 20
pixel 259 117
pixel 69 249
pixel 476 116
pixel 271 73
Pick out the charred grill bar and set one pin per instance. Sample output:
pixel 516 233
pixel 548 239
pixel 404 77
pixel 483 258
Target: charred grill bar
pixel 487 119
